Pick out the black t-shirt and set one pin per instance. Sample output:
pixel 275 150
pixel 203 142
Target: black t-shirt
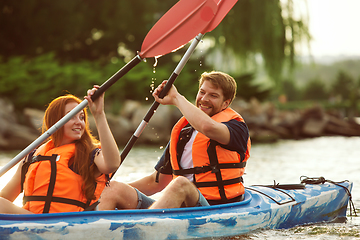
pixel 239 135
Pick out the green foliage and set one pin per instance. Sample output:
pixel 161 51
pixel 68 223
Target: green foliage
pixel 343 94
pixel 256 27
pixel 35 82
pixel 346 89
pixel 75 30
pixel 315 89
pixel 246 89
pixel 344 85
pixel 48 47
pixel 291 91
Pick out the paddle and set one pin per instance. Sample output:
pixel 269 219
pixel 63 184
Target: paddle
pixel 224 7
pixel 176 28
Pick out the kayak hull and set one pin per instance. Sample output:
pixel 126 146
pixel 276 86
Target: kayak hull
pixel 262 208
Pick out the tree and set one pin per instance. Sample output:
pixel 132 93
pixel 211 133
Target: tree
pixel 315 90
pixel 266 28
pixel 92 29
pixel 291 91
pixel 247 89
pixel 86 38
pixel 343 85
pixel 75 29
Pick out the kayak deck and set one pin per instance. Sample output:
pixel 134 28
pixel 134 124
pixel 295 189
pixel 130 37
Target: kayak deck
pixel 262 207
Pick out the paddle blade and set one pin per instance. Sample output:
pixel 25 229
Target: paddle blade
pixel 178 26
pixel 223 7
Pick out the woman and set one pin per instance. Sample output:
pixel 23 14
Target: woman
pixel 68 172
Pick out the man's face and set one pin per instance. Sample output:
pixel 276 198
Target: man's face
pixel 211 99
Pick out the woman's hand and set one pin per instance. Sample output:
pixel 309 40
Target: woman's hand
pixel 96 107
pixel 108 160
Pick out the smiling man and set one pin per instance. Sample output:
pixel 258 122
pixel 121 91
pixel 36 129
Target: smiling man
pixel 205 159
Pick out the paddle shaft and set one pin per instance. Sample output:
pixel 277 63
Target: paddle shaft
pixel 70 115
pixel 163 93
pixel 114 78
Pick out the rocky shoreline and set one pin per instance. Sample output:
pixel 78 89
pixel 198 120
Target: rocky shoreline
pixel 265 122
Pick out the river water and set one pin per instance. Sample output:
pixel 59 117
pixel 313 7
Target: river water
pixel 335 158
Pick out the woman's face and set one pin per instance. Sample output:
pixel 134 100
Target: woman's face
pixel 75 127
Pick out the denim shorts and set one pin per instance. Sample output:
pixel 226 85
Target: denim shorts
pixel 202 202
pixel 145 202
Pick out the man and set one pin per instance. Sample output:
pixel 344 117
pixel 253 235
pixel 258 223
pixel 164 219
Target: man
pixel 203 163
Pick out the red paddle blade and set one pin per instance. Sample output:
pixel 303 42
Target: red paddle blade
pixel 224 6
pixel 178 26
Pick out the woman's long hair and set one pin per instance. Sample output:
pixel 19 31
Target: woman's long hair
pixel 83 147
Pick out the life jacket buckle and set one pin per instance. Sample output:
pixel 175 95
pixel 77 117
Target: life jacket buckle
pixel 214 168
pixel 34 159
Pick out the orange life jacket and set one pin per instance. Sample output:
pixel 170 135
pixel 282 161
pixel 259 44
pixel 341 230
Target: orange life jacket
pixel 217 171
pixel 51 186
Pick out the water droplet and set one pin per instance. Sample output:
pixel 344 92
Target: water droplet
pixel 156 62
pixel 146 98
pixel 161 147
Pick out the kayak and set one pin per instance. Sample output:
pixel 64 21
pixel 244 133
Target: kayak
pixel 264 207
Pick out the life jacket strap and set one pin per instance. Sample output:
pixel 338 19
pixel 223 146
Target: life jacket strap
pixel 85 206
pixel 25 168
pixel 217 183
pixel 55 199
pixel 212 168
pixel 92 207
pixel 232 200
pixel 49 195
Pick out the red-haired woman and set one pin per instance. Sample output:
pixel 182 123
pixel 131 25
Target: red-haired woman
pixel 69 171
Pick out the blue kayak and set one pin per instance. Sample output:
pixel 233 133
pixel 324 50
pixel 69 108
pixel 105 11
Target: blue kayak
pixel 264 207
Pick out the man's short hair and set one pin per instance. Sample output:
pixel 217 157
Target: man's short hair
pixel 221 80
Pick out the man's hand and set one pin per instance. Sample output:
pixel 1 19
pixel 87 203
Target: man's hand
pixel 170 98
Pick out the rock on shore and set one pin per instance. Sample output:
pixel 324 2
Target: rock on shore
pixel 265 122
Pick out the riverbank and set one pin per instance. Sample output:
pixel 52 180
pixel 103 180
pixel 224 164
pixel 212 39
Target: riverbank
pixel 265 122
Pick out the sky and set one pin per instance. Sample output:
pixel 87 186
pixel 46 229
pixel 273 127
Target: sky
pixel 335 27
